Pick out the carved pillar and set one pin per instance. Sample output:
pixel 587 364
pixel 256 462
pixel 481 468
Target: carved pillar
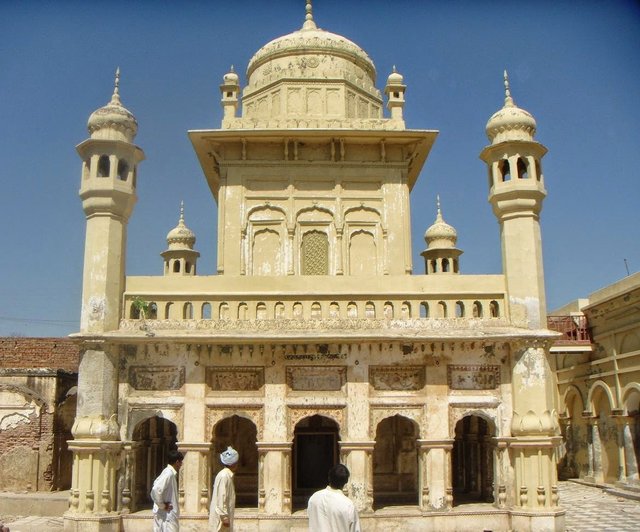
pixel 631 463
pixel 274 477
pixel 501 457
pixel 423 475
pixel 357 456
pixel 435 480
pixel 619 418
pixel 195 476
pixel 243 250
pixel 291 256
pixel 339 254
pixel 127 477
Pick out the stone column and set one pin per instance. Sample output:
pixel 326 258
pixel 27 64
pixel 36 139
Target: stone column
pixel 96 446
pixel 619 418
pixel 501 476
pixel 339 255
pixel 274 477
pixel 436 472
pixel 195 476
pixel 534 425
pixel 631 463
pixel 423 475
pixel 357 456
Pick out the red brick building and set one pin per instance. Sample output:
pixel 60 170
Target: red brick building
pixel 38 378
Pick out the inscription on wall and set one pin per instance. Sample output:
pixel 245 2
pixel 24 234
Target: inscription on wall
pixel 222 379
pixel 393 378
pixel 157 378
pixel 473 377
pixel 316 378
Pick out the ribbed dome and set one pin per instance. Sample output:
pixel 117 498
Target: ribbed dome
pixel 181 237
pixel 511 122
pixel 440 234
pixel 395 78
pixel 231 77
pixel 113 121
pixel 312 41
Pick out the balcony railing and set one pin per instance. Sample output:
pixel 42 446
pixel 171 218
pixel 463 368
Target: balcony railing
pixel 574 329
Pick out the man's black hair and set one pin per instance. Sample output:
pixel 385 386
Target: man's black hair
pixel 338 476
pixel 174 456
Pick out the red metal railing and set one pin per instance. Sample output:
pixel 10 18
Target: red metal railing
pixel 574 329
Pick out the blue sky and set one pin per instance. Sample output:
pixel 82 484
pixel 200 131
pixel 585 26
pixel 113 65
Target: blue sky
pixel 575 65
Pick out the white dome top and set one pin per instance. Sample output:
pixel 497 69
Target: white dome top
pixel 113 121
pixel 181 237
pixel 440 235
pixel 312 42
pixel 511 122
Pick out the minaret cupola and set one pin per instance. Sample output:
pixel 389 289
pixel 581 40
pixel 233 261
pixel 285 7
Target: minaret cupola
pixel 395 90
pixel 230 90
pixel 180 258
pixel 441 255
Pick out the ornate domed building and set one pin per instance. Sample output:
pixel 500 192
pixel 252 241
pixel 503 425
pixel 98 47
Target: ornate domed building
pixel 315 342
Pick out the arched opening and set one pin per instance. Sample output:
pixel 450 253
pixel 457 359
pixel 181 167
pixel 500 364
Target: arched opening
pixel 261 311
pixel 334 310
pixel 442 308
pixel 434 266
pixel 206 311
pixel 575 461
pixel 187 267
pixel 134 311
pixel 477 309
pixel 352 310
pixel 176 266
pixel 104 166
pixel 224 311
pixel 167 311
pixel 152 313
pixel 424 309
pixel 494 309
pixel 64 417
pixel 316 311
pixel 456 266
pixel 369 310
pixel 241 434
pixel 395 463
pixel 315 451
pixel 459 309
pixel 153 438
pixel 406 310
pixel 505 171
pixel 297 310
pixel 472 461
pixel 445 265
pixel 388 310
pixel 243 311
pixel 123 170
pixel 278 310
pixel 606 464
pixel 187 311
pixel 523 169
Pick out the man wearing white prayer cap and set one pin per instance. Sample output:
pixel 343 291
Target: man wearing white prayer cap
pixel 223 498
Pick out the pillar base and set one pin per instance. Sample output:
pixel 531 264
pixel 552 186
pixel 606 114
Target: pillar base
pixel 538 521
pixel 75 522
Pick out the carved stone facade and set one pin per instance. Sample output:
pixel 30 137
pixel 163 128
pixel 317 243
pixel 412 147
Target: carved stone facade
pixel 315 342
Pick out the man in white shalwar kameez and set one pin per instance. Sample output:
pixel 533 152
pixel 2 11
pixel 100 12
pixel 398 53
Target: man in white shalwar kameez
pixel 223 497
pixel 330 510
pixel 164 494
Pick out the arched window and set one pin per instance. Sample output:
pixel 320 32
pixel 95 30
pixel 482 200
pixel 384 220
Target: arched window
pixel 445 265
pixel 434 265
pixel 424 309
pixel 206 311
pixel 167 311
pixel 134 312
pixel 187 311
pixel 104 166
pixel 459 309
pixel 405 311
pixel 243 311
pixel 334 310
pixel 123 170
pixel 523 169
pixel 388 310
pixel 261 311
pixel 352 310
pixel 224 311
pixel 278 310
pixel 505 171
pixel 153 311
pixel 370 310
pixel 443 309
pixel 297 311
pixel 316 311
pixel 176 266
pixel 477 309
pixel 494 309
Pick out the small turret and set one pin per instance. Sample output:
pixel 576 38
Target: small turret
pixel 441 255
pixel 180 257
pixel 395 90
pixel 230 90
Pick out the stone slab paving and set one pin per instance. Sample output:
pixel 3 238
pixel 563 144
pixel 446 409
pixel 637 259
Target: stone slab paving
pixel 589 509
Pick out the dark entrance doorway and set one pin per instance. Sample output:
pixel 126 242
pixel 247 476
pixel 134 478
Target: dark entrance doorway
pixel 315 451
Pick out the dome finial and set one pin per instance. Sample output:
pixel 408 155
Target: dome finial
pixel 508 100
pixel 182 211
pixel 309 23
pixel 115 98
pixel 439 213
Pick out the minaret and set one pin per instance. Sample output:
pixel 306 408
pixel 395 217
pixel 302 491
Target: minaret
pixel 180 258
pixel 395 90
pixel 108 192
pixel 230 90
pixel 516 193
pixel 441 255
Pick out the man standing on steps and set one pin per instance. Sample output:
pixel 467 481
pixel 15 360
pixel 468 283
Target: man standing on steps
pixel 330 510
pixel 164 494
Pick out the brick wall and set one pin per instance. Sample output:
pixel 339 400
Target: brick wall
pixel 54 353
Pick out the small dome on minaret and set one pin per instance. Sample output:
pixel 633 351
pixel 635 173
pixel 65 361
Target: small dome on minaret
pixel 511 122
pixel 181 237
pixel 231 77
pixel 113 121
pixel 441 255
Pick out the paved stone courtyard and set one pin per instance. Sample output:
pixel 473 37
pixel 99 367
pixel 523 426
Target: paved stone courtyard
pixel 589 509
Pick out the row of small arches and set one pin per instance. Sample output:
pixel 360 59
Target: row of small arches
pixel 104 166
pixel 522 169
pixel 441 309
